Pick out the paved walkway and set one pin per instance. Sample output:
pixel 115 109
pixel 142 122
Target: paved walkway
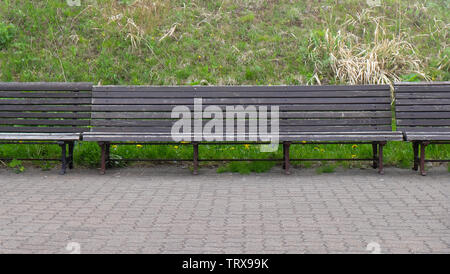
pixel 168 210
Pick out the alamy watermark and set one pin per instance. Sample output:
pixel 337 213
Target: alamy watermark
pixel 238 123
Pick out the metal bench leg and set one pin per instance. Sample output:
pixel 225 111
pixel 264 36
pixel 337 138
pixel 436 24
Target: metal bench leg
pixel 63 157
pixel 103 157
pixel 380 157
pixel 423 146
pixel 71 148
pixel 286 146
pixel 108 150
pixel 195 145
pixel 416 155
pixel 375 155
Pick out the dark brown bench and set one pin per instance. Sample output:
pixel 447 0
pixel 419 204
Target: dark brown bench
pixel 308 114
pixel 45 113
pixel 423 115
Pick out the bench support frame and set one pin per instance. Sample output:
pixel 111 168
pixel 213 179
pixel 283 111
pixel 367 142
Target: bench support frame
pixel 377 158
pixel 66 159
pixel 419 149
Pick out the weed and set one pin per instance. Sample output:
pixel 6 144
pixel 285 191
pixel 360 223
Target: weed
pixel 17 166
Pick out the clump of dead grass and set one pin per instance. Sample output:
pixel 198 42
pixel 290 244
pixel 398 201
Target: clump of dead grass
pixel 362 52
pixel 134 20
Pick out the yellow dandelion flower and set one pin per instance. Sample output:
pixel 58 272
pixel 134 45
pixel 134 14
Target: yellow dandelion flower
pixel 354 146
pixel 114 146
pixel 199 57
pixel 247 146
pixel 303 142
pixel 175 147
pixel 184 142
pixel 139 146
pixel 353 156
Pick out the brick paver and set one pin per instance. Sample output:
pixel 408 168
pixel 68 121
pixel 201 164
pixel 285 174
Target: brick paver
pixel 168 210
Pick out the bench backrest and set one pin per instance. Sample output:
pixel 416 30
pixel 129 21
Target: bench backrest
pixel 302 108
pixel 45 107
pixel 423 107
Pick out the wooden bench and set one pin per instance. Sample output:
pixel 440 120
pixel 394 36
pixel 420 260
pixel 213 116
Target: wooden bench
pixel 423 115
pixel 308 115
pixel 45 113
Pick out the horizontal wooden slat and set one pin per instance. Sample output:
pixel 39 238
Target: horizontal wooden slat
pixel 423 122
pixel 424 108
pixel 41 129
pixel 423 102
pixel 40 136
pixel 239 88
pixel 423 129
pixel 53 115
pixel 294 114
pixel 80 101
pixel 421 95
pixel 242 101
pixel 64 122
pixel 306 122
pixel 303 107
pixel 242 94
pixel 45 86
pixel 67 94
pixel 309 136
pixel 80 108
pixel 284 128
pixel 422 115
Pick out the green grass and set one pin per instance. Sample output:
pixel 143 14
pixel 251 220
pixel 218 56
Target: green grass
pixel 88 155
pixel 211 42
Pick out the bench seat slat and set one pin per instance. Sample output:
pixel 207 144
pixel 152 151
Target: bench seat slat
pixel 294 137
pixel 36 129
pixel 40 136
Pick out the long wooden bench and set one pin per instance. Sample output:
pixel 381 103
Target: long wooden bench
pixel 45 113
pixel 307 115
pixel 423 115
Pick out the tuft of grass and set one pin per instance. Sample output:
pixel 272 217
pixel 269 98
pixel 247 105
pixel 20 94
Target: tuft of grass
pixel 17 166
pixel 7 32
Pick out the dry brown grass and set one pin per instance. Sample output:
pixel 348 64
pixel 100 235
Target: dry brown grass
pixel 381 60
pixel 136 20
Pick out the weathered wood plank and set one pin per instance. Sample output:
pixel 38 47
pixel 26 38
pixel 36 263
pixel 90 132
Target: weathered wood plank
pixel 45 86
pixel 422 115
pixel 80 101
pixel 53 115
pixel 67 94
pixel 46 122
pixel 65 108
pixel 242 94
pixel 240 88
pixel 67 129
pixel 302 107
pixel 241 101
